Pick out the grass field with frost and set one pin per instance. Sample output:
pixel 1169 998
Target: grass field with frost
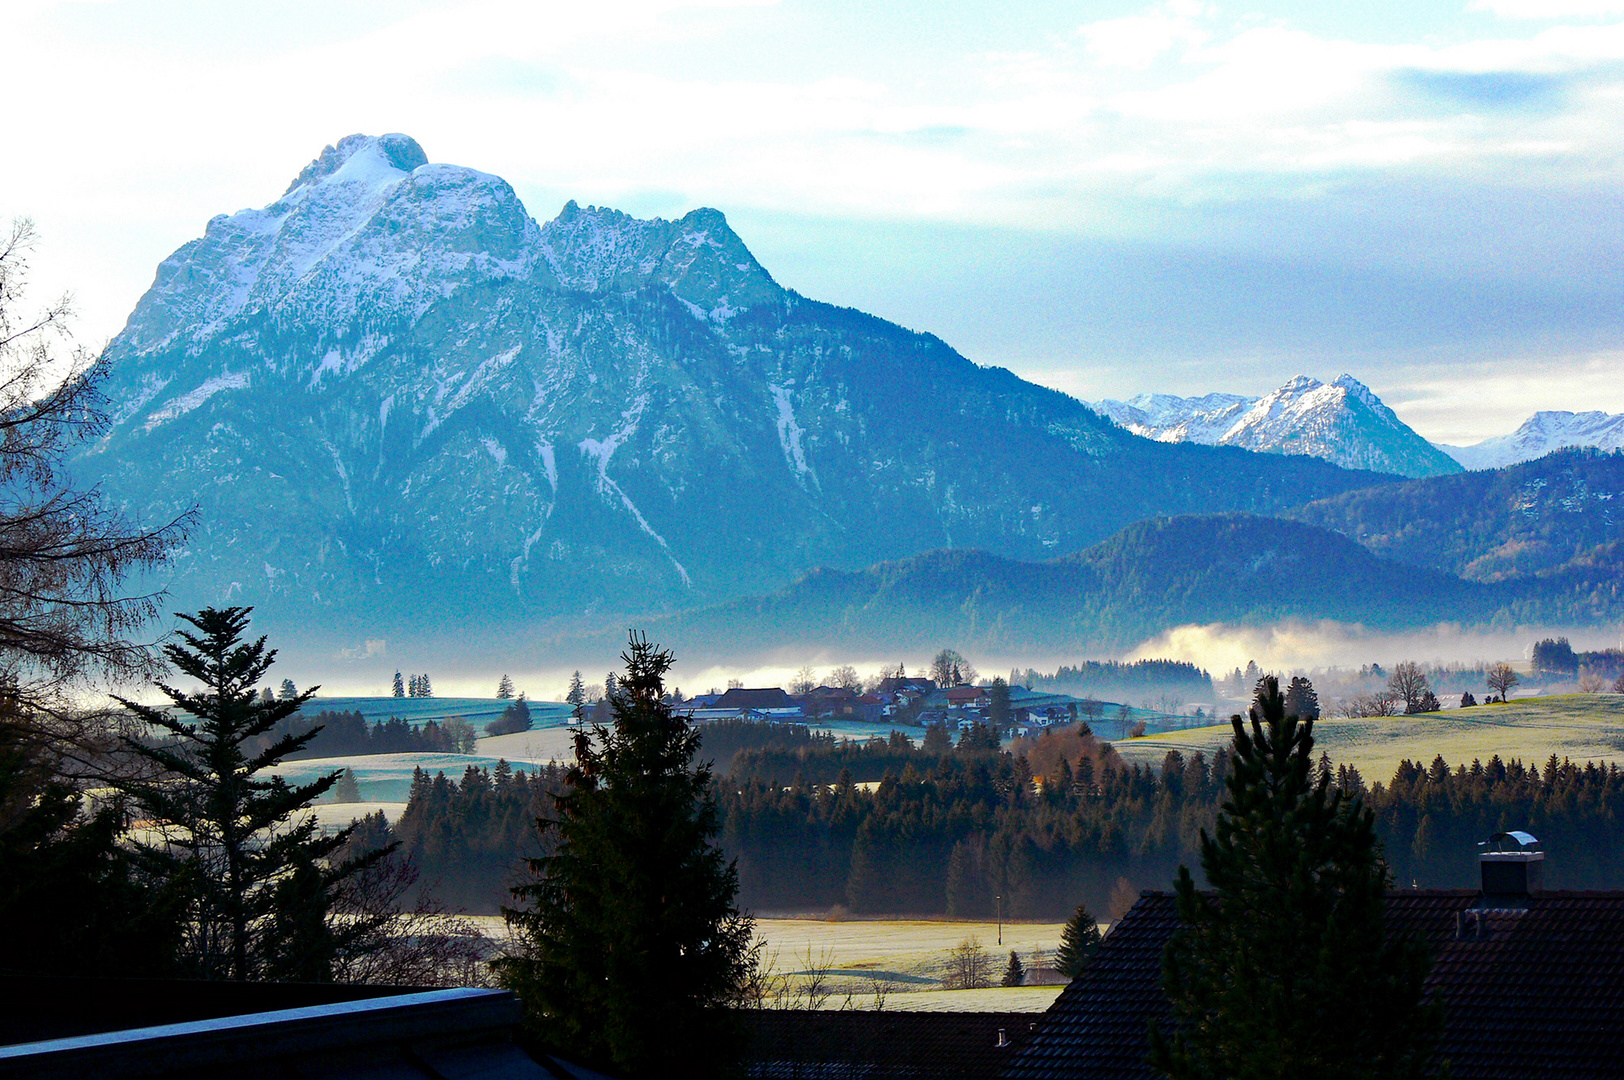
pixel 1581 727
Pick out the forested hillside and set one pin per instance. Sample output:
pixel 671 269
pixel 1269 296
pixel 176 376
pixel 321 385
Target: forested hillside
pixel 1538 517
pixel 1045 824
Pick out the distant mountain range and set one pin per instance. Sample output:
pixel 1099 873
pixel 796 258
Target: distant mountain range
pixel 1342 422
pixel 1147 579
pixel 1540 435
pixel 1544 517
pixel 400 402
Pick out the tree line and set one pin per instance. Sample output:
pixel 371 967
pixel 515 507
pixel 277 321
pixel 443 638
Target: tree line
pixel 346 734
pixel 1030 831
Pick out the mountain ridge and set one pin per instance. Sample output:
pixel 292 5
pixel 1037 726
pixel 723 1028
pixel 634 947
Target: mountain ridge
pixel 1343 422
pixel 1542 434
pixel 396 397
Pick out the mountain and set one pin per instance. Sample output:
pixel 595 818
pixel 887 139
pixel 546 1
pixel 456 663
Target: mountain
pixel 1148 578
pixel 1343 422
pixel 1539 435
pixel 398 400
pixel 1540 517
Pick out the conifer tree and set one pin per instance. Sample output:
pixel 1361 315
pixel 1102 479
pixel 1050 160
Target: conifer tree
pixel 1285 969
pixel 1078 940
pixel 424 687
pixel 504 688
pixel 627 944
pixel 576 697
pixel 400 688
pixel 1301 699
pixel 1014 971
pixel 227 828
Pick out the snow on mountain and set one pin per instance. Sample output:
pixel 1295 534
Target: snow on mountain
pixel 1539 435
pixel 392 389
pixel 1342 422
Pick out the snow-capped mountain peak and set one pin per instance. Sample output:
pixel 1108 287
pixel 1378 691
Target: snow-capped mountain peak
pixel 1343 422
pixel 1541 434
pixel 363 158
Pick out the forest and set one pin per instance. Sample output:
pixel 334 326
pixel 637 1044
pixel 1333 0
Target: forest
pixel 1028 831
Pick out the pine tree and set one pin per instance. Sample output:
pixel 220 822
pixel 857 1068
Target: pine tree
pixel 1014 972
pixel 400 688
pixel 346 790
pixel 226 827
pixel 287 691
pixel 504 688
pixel 424 687
pixel 1301 699
pixel 69 894
pixel 627 944
pixel 576 698
pixel 1078 941
pixel 1285 969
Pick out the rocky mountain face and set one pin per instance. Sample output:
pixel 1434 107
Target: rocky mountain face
pixel 1342 422
pixel 1541 434
pixel 394 397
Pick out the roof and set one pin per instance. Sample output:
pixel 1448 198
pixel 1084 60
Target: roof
pixel 401 1037
pixel 1541 995
pixel 794 1044
pixel 769 697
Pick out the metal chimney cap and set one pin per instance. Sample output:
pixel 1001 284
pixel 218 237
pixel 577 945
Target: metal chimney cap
pixel 1522 839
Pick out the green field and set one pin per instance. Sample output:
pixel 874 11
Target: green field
pixel 907 957
pixel 1582 727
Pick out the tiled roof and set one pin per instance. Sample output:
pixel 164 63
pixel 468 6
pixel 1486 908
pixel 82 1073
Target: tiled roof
pixel 800 1044
pixel 768 697
pixel 1539 994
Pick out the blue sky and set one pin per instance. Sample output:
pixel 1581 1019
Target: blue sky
pixel 1105 197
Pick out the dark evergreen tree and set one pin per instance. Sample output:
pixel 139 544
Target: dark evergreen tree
pixel 287 691
pixel 400 687
pixel 998 697
pixel 504 688
pixel 226 828
pixel 1301 700
pixel 1078 941
pixel 627 943
pixel 576 698
pixel 1014 971
pixel 1284 969
pixel 346 790
pixel 936 740
pixel 71 901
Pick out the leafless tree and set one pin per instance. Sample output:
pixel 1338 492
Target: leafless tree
pixel 424 945
pixel 65 554
pixel 1408 683
pixel 1501 677
pixel 968 966
pixel 805 680
pixel 846 677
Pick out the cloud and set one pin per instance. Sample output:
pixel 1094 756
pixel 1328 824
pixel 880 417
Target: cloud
pixel 1549 9
pixel 1295 646
pixel 374 647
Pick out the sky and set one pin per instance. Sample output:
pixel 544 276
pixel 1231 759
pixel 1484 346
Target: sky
pixel 1108 198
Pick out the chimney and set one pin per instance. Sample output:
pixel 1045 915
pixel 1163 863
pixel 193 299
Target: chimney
pixel 1510 876
pixel 1003 1040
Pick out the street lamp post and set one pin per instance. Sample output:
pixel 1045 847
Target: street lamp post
pixel 1000 900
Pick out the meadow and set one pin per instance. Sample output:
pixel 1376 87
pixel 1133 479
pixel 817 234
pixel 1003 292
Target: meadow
pixel 1580 727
